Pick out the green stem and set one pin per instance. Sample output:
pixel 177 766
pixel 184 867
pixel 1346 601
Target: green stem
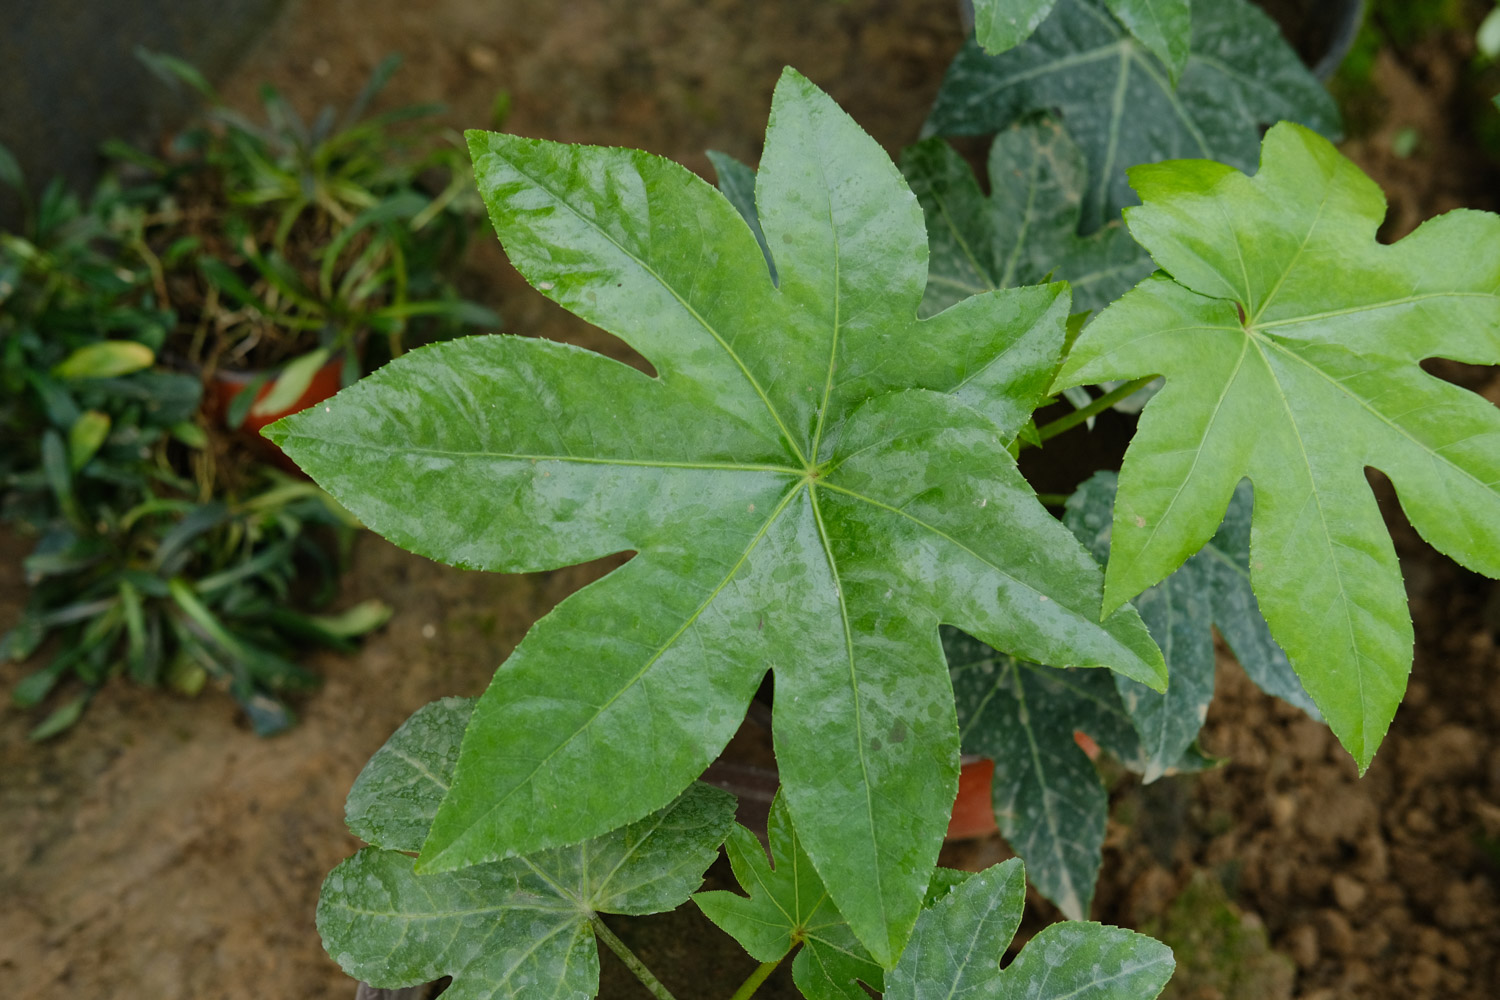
pixel 1052 499
pixel 632 963
pixel 1098 406
pixel 749 986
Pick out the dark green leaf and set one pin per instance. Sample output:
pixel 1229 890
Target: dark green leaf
pixel 1117 101
pixel 811 484
pixel 396 795
pixel 787 907
pixel 1049 801
pixel 242 401
pixel 521 927
pixel 957 946
pixel 1211 587
pixel 1026 230
pixel 1290 341
pixel 737 182
pixel 10 171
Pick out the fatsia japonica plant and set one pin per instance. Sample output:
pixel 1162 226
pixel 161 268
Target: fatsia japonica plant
pixel 817 484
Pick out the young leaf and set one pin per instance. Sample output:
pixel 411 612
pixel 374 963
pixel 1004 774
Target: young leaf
pixel 956 948
pixel 1163 26
pixel 1004 24
pixel 521 927
pixel 787 907
pixel 1290 342
pixel 1240 74
pixel 813 482
pixel 1025 230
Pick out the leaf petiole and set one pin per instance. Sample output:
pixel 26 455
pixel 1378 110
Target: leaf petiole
pixel 752 983
pixel 1104 402
pixel 635 965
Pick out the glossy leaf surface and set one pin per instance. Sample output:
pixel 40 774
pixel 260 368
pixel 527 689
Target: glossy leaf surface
pixel 812 483
pixel 958 944
pixel 1117 101
pixel 1290 342
pixel 1211 588
pixel 788 907
pixel 1026 230
pixel 519 927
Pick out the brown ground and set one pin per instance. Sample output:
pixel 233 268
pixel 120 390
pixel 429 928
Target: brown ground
pixel 162 851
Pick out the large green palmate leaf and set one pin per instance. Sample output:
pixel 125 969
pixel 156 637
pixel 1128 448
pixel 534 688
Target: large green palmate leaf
pixel 1211 589
pixel 958 944
pixel 787 908
pixel 1290 341
pixel 1117 101
pixel 812 483
pixel 1026 230
pixel 517 928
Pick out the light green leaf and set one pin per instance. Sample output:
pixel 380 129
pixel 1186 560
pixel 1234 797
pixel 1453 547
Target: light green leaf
pixel 517 928
pixel 788 907
pixel 812 483
pixel 105 359
pixel 1004 24
pixel 1117 101
pixel 86 436
pixel 958 944
pixel 1290 341
pixel 1026 230
pixel 291 383
pixel 1163 26
pixel 361 619
pixel 398 792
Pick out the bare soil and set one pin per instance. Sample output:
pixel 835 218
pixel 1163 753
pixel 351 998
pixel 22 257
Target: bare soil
pixel 160 850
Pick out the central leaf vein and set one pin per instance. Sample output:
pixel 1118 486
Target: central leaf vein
pixel 859 723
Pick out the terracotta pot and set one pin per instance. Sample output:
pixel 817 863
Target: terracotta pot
pixel 973 810
pixel 226 386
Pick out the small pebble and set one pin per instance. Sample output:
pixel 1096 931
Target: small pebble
pixel 482 59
